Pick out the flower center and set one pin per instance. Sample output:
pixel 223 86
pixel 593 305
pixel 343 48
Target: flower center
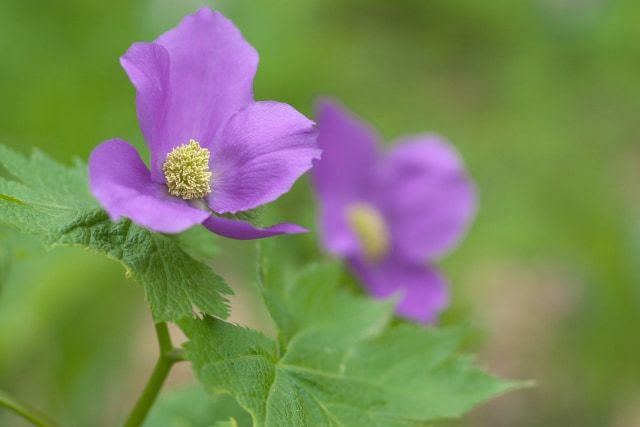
pixel 368 225
pixel 186 171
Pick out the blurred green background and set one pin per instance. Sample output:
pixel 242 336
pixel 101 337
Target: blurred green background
pixel 542 98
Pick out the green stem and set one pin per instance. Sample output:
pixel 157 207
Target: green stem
pixel 36 417
pixel 168 356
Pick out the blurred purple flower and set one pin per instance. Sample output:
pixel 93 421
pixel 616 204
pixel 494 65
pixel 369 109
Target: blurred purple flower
pixel 214 150
pixel 391 215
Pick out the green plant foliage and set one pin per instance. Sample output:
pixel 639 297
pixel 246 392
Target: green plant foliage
pixel 194 407
pixel 338 360
pixel 42 197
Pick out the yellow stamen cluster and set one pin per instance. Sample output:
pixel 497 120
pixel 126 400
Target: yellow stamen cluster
pixel 369 226
pixel 186 171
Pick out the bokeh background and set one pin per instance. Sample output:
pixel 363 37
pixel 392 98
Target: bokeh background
pixel 541 97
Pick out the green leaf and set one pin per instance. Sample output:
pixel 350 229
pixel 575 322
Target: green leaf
pixel 44 198
pixel 193 407
pixel 199 243
pixel 175 283
pixel 320 302
pixel 40 195
pixel 338 360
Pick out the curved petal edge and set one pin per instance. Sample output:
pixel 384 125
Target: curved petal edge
pixel 244 230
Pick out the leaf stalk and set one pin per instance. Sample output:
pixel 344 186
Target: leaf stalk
pixel 30 414
pixel 166 359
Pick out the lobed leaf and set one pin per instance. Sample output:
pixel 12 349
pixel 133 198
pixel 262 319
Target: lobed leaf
pixel 338 361
pixel 42 197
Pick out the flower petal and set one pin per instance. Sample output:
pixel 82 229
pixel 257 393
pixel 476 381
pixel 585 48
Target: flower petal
pixel 344 173
pixel 423 290
pixel 121 182
pixel 261 152
pixel 189 82
pixel 243 230
pixel 147 65
pixel 429 200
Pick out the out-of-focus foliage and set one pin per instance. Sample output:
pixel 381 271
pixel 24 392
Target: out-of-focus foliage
pixel 5 257
pixel 540 96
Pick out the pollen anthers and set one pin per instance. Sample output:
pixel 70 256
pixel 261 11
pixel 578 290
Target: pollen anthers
pixel 186 171
pixel 370 228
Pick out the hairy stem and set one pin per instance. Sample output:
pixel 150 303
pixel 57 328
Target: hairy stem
pixel 168 356
pixel 30 414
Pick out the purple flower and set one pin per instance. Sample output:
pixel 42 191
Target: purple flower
pixel 214 150
pixel 391 215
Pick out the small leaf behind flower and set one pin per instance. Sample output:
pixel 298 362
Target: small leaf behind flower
pixel 199 243
pixel 42 197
